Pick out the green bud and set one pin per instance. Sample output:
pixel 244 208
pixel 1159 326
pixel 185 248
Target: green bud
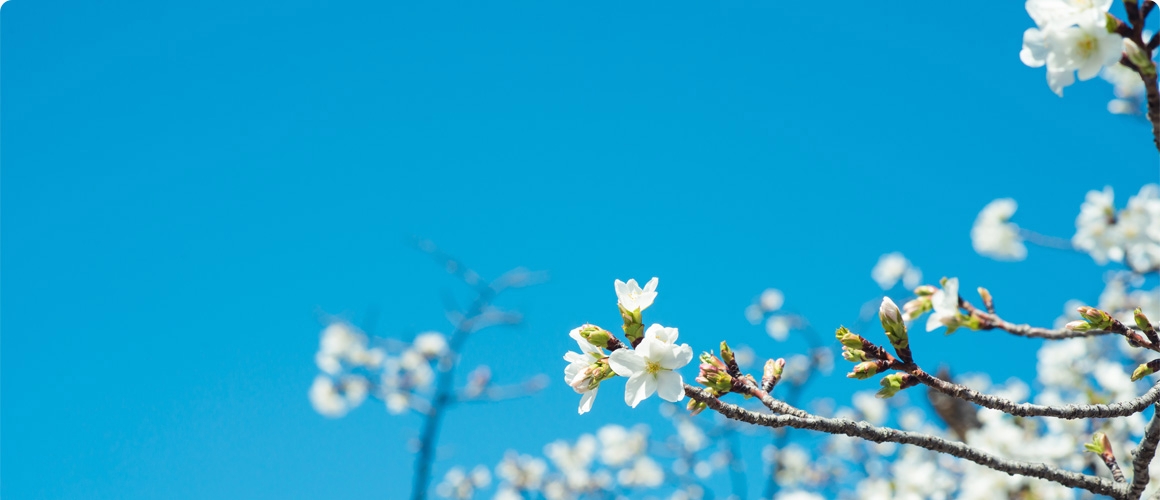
pixel 1141 320
pixel 696 407
pixel 726 353
pixel 864 370
pixel 1142 371
pixel 891 384
pixel 595 335
pixel 1078 326
pixel 841 332
pixel 891 319
pixel 1099 444
pixel 854 355
pixel 1098 319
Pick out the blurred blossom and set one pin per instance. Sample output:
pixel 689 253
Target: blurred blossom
pixel 692 438
pixel 620 445
pixel 771 299
pixel 325 398
pixel 521 472
pixel 871 407
pixel 754 314
pixel 430 344
pixel 778 327
pixel 993 234
pixel 644 473
pixel 893 267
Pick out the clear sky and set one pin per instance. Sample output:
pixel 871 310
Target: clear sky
pixel 188 188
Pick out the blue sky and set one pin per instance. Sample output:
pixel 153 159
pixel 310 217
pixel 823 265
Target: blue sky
pixel 187 189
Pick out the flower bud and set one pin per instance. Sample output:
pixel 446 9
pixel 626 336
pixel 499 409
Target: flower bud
pixel 1143 371
pixel 864 370
pixel 854 355
pixel 1139 57
pixel 727 354
pixel 1099 444
pixel 772 374
pixel 696 407
pixel 988 301
pixel 1098 319
pixel 891 384
pixel 1141 320
pixel 891 319
pixel 595 335
pixel 925 290
pixel 914 308
pixel 1078 326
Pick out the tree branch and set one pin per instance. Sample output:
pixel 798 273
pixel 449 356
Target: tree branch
pixel 1069 412
pixel 1144 454
pixel 869 432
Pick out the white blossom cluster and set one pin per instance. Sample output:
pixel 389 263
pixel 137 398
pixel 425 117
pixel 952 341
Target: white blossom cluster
pixel 614 462
pixel 650 366
pixel 351 370
pixel 1130 235
pixel 1070 37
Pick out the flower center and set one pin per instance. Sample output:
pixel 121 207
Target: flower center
pixel 652 368
pixel 1087 46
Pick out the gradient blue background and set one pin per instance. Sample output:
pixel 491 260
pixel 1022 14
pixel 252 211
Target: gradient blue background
pixel 189 187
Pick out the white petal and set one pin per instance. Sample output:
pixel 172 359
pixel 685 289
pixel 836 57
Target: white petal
pixel 677 357
pixel 670 386
pixel 586 401
pixel 933 322
pixel 639 388
pixel 626 362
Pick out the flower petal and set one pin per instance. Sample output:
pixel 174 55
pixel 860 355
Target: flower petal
pixel 670 386
pixel 638 388
pixel 586 401
pixel 626 362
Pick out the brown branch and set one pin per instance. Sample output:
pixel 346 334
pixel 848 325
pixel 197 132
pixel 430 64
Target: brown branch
pixel 869 432
pixel 1144 454
pixel 1068 412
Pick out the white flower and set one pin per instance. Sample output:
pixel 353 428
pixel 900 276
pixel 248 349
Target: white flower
pixel 430 344
pixel 1070 43
pixel 580 372
pixel 644 473
pixel 632 297
pixel 341 342
pixel 325 398
pixel 618 445
pixel 946 306
pixel 522 472
pixel 778 327
pixel 872 408
pixel 994 235
pixel 889 269
pixel 771 299
pixel 1064 12
pixel 1139 228
pixel 649 369
pixel 1093 227
pixel 662 333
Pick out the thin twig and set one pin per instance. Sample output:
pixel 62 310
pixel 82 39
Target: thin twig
pixel 1068 412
